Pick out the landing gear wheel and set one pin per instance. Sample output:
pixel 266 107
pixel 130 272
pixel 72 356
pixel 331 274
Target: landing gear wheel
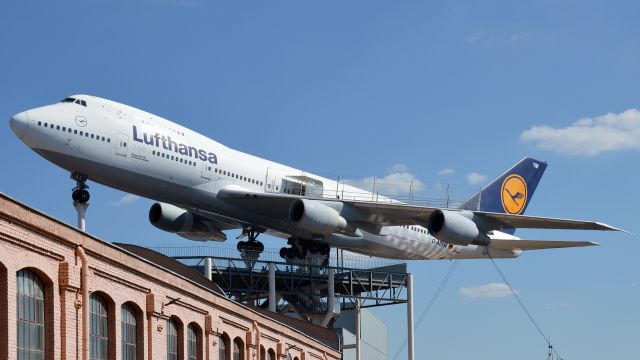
pixel 325 249
pixel 313 247
pixel 83 196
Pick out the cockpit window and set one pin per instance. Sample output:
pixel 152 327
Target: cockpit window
pixel 76 101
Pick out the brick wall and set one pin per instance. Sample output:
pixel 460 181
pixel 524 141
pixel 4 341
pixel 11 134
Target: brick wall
pixel 29 239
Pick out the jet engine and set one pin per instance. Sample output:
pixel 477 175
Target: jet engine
pixel 317 218
pixel 453 227
pixel 190 226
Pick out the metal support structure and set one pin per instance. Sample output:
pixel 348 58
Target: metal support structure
pixel 331 295
pixel 358 329
pixel 208 268
pixel 272 287
pixel 410 343
pixel 81 209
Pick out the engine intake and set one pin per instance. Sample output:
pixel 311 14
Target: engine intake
pixel 453 227
pixel 317 218
pixel 176 220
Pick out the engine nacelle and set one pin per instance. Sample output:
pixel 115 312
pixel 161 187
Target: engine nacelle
pixel 453 228
pixel 173 219
pixel 317 218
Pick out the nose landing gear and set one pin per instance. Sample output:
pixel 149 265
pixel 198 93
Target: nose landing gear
pixel 80 194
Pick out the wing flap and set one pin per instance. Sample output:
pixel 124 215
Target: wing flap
pixel 537 244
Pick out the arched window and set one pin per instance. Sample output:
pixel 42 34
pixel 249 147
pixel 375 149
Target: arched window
pixel 99 327
pixel 194 342
pixel 238 349
pixel 172 340
pixel 128 332
pixel 263 353
pixel 271 354
pixel 30 315
pixel 223 348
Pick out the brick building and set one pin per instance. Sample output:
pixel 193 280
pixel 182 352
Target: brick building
pixel 67 295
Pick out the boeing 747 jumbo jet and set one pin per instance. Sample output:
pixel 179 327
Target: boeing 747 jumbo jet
pixel 203 188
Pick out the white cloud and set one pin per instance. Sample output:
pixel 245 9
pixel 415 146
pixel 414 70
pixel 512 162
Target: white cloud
pixel 446 171
pixel 476 179
pixel 589 136
pixel 398 168
pixel 495 290
pixel 399 181
pixel 125 200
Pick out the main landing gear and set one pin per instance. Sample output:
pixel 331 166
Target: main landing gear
pixel 251 245
pixel 80 193
pixel 301 249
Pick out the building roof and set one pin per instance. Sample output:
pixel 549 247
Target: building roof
pixel 171 265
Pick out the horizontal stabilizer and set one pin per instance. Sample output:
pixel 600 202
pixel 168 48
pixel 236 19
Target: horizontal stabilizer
pixel 537 244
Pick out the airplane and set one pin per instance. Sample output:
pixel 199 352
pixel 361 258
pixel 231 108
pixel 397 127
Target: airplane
pixel 204 188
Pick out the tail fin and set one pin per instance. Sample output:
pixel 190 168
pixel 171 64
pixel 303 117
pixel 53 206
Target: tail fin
pixel 511 192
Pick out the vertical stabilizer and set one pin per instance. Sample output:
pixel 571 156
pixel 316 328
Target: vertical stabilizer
pixel 511 192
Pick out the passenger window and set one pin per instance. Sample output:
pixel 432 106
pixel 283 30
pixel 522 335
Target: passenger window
pixel 58 127
pixel 92 136
pixel 81 133
pixel 39 123
pixel 64 128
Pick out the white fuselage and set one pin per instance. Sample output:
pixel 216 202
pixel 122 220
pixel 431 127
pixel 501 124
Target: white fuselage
pixel 143 154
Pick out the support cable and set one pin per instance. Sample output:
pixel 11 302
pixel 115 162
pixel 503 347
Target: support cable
pixel 533 321
pixel 433 300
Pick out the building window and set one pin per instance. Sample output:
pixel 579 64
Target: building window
pixel 271 355
pixel 128 332
pixel 30 315
pixel 193 348
pixel 99 328
pixel 222 349
pixel 238 349
pixel 172 340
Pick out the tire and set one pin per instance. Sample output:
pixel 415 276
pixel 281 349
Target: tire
pixel 313 247
pixel 241 245
pixel 83 196
pixel 325 249
pixel 74 195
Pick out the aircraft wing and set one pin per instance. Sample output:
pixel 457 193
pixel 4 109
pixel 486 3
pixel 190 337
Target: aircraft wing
pixel 376 214
pixel 537 244
pixel 400 214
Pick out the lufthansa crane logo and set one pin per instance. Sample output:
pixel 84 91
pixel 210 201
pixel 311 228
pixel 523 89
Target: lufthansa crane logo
pixel 81 121
pixel 514 194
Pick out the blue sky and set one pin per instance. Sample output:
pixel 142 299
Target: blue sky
pixel 372 89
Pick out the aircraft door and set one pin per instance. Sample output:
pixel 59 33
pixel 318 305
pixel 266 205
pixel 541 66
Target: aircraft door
pixel 270 183
pixel 207 168
pixel 122 144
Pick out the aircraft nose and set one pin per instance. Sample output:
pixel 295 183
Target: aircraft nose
pixel 19 124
